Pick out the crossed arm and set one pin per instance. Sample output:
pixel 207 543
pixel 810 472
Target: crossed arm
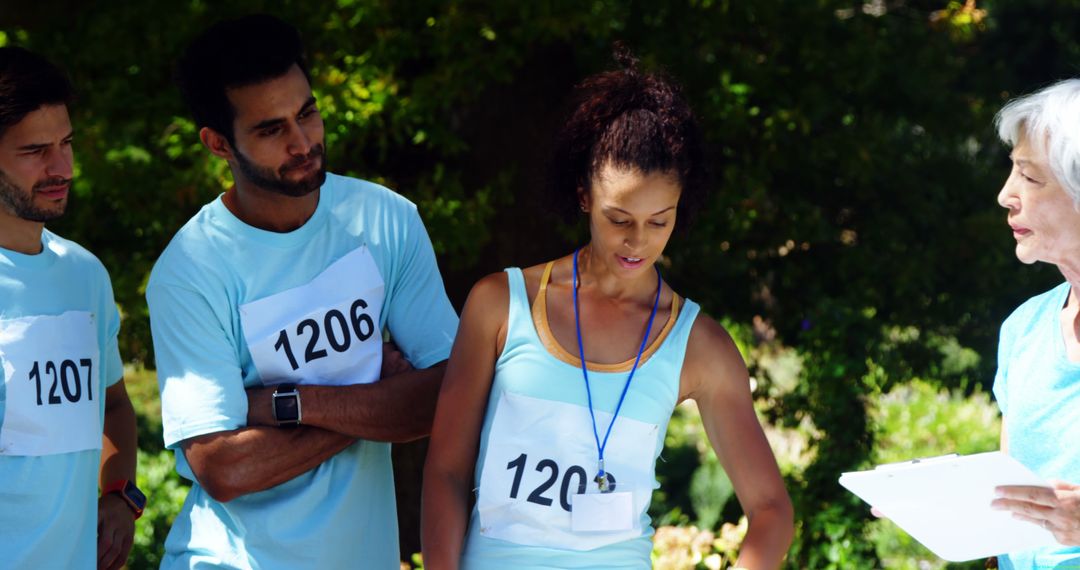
pixel 398 408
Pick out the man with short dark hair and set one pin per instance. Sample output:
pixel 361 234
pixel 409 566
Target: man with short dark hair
pixel 268 310
pixel 66 423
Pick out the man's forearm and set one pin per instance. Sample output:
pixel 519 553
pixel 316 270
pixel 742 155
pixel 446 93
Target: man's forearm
pixel 396 409
pixel 247 460
pixel 118 442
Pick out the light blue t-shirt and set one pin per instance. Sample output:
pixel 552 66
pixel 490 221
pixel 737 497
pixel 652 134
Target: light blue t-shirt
pixel 48 503
pixel 555 388
pixel 341 514
pixel 1038 391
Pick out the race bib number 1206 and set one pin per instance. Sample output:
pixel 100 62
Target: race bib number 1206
pixel 51 377
pixel 323 332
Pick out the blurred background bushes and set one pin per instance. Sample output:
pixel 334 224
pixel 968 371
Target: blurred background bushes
pixel 852 242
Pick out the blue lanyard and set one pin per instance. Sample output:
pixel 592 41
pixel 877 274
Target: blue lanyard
pixel 601 475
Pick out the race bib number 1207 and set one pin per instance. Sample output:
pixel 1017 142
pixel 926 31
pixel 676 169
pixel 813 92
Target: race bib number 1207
pixel 53 401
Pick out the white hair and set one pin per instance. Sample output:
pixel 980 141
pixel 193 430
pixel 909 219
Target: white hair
pixel 1050 119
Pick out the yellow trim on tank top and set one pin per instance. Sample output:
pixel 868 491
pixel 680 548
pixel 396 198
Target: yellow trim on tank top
pixel 543 330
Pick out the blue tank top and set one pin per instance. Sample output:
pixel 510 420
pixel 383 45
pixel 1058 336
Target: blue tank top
pixel 540 386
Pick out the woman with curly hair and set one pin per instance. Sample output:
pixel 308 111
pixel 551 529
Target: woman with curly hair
pixel 564 375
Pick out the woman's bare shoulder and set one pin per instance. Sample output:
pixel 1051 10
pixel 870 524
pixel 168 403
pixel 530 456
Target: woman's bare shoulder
pixel 712 357
pixel 535 273
pixel 491 288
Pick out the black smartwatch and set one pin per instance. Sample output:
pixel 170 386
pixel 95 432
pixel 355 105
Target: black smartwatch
pixel 287 405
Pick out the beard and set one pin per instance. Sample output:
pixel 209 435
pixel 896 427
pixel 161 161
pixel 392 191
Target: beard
pixel 268 179
pixel 21 203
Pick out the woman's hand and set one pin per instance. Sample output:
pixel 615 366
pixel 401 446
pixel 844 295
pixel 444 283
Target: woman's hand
pixel 1056 509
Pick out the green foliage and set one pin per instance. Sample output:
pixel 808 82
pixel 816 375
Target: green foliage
pixel 166 492
pixel 156 474
pixel 693 487
pixel 710 490
pixel 142 389
pixel 836 377
pixel 918 419
pixel 855 169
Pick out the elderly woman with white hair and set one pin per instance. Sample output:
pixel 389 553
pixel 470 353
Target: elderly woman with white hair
pixel 1038 379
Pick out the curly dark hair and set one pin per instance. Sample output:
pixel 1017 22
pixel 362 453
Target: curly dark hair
pixel 634 120
pixel 235 53
pixel 27 82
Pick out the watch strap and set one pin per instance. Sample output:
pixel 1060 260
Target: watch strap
pixel 132 496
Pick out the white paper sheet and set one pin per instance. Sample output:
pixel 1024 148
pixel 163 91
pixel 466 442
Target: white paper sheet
pixel 944 503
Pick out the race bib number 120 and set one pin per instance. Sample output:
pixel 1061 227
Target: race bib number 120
pixel 53 401
pixel 538 474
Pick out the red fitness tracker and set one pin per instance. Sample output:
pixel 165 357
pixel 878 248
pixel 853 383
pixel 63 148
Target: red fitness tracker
pixel 131 494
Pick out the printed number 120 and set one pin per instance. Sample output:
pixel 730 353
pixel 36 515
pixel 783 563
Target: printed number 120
pixel 574 474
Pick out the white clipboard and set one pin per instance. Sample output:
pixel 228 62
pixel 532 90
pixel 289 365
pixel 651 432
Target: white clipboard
pixel 944 503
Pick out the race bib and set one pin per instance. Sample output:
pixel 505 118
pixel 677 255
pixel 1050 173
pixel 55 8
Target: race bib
pixel 325 332
pixel 541 454
pixel 51 375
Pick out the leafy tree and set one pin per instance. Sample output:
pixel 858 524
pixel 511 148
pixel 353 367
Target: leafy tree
pixel 854 161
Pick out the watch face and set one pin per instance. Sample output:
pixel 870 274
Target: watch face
pixel 135 495
pixel 286 407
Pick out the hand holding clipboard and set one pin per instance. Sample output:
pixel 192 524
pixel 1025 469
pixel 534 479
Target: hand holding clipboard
pixel 946 503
